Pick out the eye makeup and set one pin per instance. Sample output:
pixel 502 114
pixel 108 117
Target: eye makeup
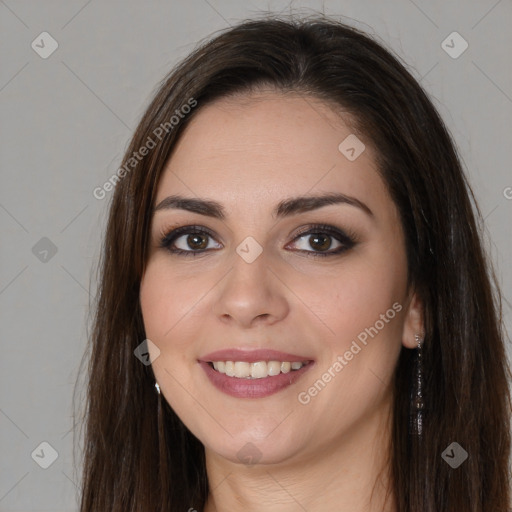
pixel 317 232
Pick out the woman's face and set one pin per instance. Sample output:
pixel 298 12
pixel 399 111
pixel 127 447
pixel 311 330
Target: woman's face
pixel 264 286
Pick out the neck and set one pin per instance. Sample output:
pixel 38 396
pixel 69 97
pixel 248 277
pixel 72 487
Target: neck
pixel 351 474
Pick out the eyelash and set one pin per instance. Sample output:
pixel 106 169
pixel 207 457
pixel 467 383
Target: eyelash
pixel 347 238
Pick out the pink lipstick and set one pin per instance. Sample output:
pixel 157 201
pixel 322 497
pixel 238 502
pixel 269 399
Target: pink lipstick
pixel 253 373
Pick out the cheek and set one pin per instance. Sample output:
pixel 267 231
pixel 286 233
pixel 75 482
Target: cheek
pixel 362 306
pixel 168 303
pixel 156 304
pixel 359 294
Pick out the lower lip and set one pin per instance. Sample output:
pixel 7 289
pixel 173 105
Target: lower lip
pixel 252 388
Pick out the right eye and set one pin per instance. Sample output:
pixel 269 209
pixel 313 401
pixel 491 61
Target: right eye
pixel 193 240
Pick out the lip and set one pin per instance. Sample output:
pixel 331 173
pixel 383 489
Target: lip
pixel 252 356
pixel 252 388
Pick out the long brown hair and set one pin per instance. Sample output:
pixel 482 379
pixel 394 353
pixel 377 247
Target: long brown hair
pixel 138 455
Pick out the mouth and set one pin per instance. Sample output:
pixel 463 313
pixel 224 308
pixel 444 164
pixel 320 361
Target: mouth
pixel 257 370
pixel 253 374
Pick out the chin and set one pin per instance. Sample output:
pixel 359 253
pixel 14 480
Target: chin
pixel 251 450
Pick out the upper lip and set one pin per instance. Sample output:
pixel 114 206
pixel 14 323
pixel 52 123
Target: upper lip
pixel 252 356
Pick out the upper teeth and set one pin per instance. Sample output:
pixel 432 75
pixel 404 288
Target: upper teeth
pixel 257 370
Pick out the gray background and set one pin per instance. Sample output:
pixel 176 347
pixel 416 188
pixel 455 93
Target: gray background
pixel 66 121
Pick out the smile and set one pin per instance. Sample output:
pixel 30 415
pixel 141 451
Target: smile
pixel 253 373
pixel 257 370
pixel 256 373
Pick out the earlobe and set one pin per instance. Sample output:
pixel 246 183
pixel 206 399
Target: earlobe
pixel 413 322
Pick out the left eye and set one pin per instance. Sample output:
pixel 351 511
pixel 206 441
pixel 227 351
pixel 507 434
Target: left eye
pixel 319 242
pixel 321 239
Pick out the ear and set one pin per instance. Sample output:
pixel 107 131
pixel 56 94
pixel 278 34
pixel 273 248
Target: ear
pixel 413 322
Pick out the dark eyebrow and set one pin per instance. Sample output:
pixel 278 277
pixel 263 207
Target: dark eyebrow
pixel 285 208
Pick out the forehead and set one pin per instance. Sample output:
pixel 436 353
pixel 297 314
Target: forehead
pixel 268 145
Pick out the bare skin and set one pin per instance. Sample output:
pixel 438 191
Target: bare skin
pixel 324 450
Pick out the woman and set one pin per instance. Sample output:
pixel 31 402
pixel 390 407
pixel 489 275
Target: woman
pixel 295 310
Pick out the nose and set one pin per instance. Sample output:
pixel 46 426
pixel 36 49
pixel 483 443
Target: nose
pixel 250 294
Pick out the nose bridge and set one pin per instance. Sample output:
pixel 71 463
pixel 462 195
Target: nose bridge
pixel 250 288
pixel 250 268
pixel 250 250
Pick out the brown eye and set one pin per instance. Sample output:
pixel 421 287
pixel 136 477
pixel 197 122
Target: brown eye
pixel 196 241
pixel 322 238
pixel 187 240
pixel 320 242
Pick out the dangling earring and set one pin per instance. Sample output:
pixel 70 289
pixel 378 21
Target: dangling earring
pixel 418 401
pixel 157 387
